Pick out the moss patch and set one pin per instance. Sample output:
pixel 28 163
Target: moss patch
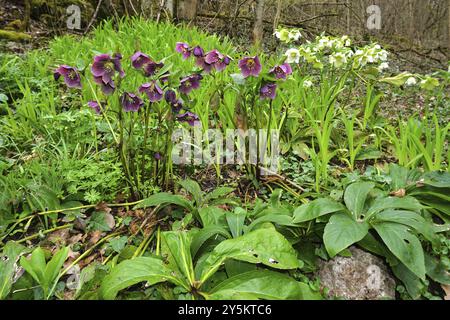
pixel 14 36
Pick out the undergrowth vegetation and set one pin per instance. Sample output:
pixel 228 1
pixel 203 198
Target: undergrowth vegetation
pixel 93 207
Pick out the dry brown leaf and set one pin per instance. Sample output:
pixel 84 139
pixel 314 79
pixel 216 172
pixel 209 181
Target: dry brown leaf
pixel 103 207
pixel 446 288
pixel 95 237
pixel 399 193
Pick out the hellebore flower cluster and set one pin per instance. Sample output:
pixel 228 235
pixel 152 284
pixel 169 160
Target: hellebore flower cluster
pixel 171 98
pixel 70 74
pixel 213 59
pixel 141 61
pixel 104 68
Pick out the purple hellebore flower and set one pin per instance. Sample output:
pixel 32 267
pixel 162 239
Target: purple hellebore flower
pixel 170 96
pixel 268 91
pixel 184 49
pixel 250 66
pixel 157 156
pixel 71 76
pixel 165 77
pixel 188 117
pixel 281 72
pixel 105 66
pixel 217 59
pixel 198 52
pixel 131 102
pixel 108 87
pixel 95 106
pixel 139 59
pixel 152 67
pixel 152 90
pixel 190 83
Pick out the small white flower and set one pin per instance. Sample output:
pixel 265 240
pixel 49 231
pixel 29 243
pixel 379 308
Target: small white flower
pixel 383 66
pixel 338 59
pixel 307 84
pixel 411 81
pixel 293 56
pixel 294 35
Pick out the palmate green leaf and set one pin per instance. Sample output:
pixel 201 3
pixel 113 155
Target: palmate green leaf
pixel 380 204
pixel 315 209
pixel 342 231
pixel 8 259
pixel 163 199
pixel 131 272
pixel 355 197
pixel 262 284
pixel 404 245
pixel 265 246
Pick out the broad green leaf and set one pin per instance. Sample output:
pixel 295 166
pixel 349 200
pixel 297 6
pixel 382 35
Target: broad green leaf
pixel 341 232
pixel 437 270
pixel 36 265
pixel 164 199
pixel 408 218
pixel 218 193
pixel 54 265
pixel 398 80
pixel 212 216
pixel 193 188
pixel 412 283
pixel 262 284
pixel 236 220
pixel 355 197
pixel 178 245
pixel 205 234
pixel 437 179
pixel 406 203
pixel 131 272
pixel 282 220
pixel 8 262
pixel 265 246
pixel 315 209
pixel 404 245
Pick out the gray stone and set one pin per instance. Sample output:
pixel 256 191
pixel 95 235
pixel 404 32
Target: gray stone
pixel 362 276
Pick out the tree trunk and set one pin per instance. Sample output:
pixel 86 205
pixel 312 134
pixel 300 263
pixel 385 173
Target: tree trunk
pixel 26 15
pixel 188 9
pixel 258 30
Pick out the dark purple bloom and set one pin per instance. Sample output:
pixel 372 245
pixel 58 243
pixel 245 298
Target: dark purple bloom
pixel 268 91
pixel 198 52
pixel 95 106
pixel 190 83
pixel 131 102
pixel 170 96
pixel 250 66
pixel 151 68
pixel 189 117
pixel 281 72
pixel 105 66
pixel 217 59
pixel 184 49
pixel 152 90
pixel 71 76
pixel 157 156
pixel 165 77
pixel 108 87
pixel 139 59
